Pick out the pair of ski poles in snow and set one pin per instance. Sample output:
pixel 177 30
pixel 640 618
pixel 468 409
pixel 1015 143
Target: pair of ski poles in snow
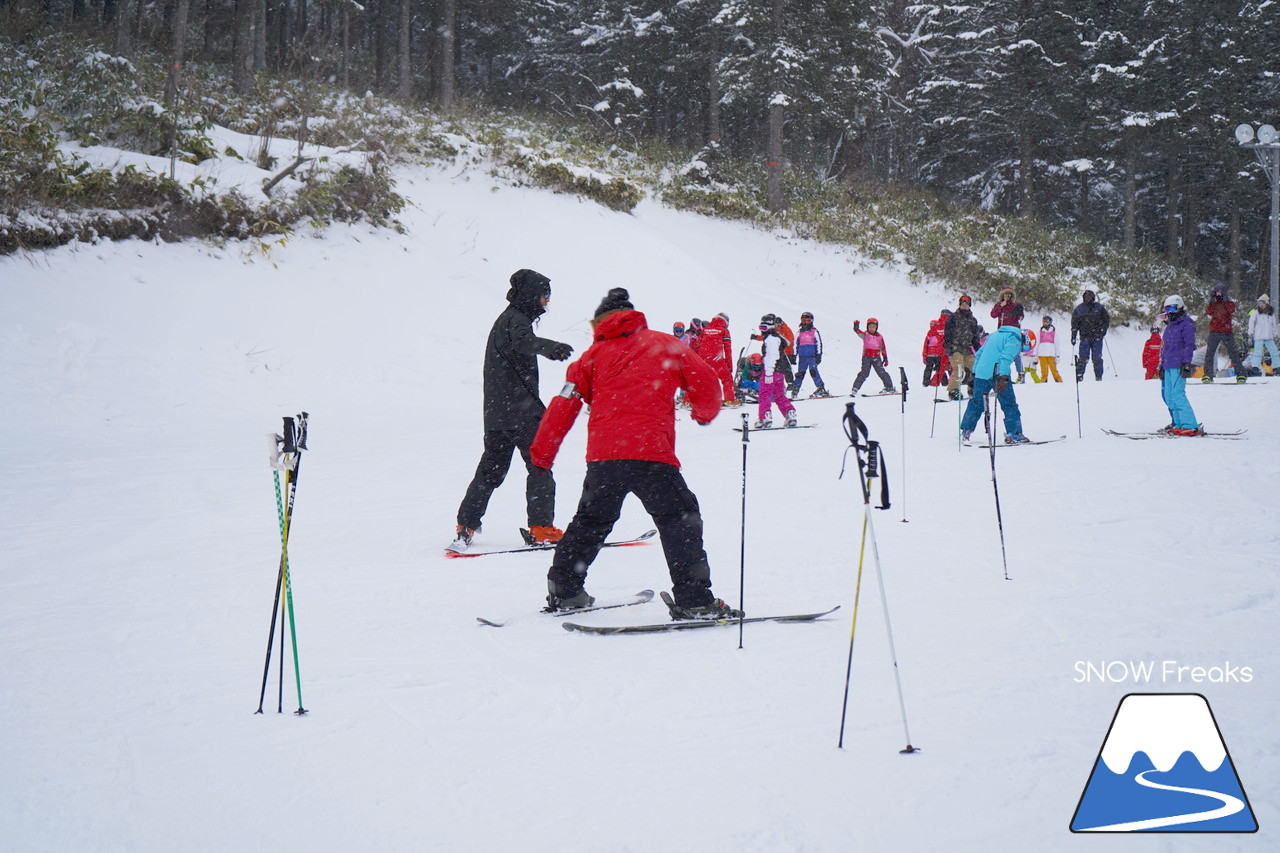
pixel 286 456
pixel 871 466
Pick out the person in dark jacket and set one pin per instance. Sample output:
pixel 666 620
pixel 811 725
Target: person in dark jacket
pixel 960 339
pixel 512 410
pixel 628 376
pixel 1221 312
pixel 1175 364
pixel 1089 323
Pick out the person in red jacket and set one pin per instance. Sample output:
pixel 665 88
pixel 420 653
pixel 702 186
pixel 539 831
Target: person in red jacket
pixel 1151 353
pixel 628 377
pixel 934 352
pixel 1221 311
pixel 716 349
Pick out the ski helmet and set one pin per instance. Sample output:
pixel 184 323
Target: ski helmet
pixel 724 316
pixel 806 316
pixel 757 358
pixel 677 328
pixel 966 298
pixel 1046 319
pixel 1174 304
pixel 871 320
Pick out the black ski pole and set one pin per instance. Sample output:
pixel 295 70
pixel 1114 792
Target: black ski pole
pixel 991 441
pixel 742 555
pixel 281 446
pixel 902 373
pixel 1075 366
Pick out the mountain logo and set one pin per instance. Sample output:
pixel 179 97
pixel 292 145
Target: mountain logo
pixel 1164 767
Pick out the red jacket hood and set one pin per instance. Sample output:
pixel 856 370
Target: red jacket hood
pixel 619 324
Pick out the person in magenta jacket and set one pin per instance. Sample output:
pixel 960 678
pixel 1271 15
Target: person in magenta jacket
pixel 628 377
pixel 874 355
pixel 1175 364
pixel 1008 310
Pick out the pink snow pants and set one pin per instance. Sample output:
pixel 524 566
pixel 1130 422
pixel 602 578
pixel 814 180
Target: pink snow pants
pixel 771 391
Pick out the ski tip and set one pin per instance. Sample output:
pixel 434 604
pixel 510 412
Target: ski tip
pixel 490 622
pixel 648 534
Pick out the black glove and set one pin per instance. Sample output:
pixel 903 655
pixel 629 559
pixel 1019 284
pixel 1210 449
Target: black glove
pixel 791 358
pixel 561 352
pixel 1002 382
pixel 817 359
pixel 1187 370
pixel 1073 340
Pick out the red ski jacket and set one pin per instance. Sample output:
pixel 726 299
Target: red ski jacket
pixel 714 346
pixel 1151 352
pixel 1220 315
pixel 935 340
pixel 629 377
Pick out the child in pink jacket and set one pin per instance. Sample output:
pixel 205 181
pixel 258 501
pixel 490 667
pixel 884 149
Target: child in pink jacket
pixel 874 355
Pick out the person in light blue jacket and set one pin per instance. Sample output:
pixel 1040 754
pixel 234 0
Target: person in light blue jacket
pixel 991 371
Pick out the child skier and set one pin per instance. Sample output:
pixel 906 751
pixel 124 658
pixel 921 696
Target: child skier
pixel 874 355
pixel 934 351
pixel 809 349
pixel 1029 353
pixel 772 388
pixel 1151 353
pixel 748 384
pixel 1047 350
pixel 1175 366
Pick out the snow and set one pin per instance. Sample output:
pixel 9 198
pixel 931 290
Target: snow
pixel 141 548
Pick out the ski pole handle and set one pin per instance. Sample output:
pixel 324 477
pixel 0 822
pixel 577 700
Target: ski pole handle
pixel 302 430
pixel 290 437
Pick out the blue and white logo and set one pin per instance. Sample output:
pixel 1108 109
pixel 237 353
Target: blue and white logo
pixel 1164 767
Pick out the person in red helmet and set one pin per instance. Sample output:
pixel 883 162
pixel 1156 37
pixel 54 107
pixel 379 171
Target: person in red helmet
pixel 934 352
pixel 1151 353
pixel 628 376
pixel 875 355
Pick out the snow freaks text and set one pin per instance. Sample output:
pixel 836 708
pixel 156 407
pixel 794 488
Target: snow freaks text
pixel 1165 672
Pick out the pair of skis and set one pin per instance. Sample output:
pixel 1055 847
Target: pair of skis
pixel 547 546
pixel 1235 435
pixel 644 596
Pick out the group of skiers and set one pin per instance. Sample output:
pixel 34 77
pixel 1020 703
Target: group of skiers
pixel 630 376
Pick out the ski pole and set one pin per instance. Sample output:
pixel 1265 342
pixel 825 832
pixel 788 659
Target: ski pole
pixel 902 372
pixel 870 468
pixel 1110 357
pixel 933 420
pixel 991 441
pixel 742 555
pixel 1075 366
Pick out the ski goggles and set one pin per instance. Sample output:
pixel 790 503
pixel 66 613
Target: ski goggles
pixel 677 329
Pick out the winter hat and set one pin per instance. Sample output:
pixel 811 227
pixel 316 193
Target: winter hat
pixel 1006 289
pixel 1265 298
pixel 1088 296
pixel 617 300
pixel 724 316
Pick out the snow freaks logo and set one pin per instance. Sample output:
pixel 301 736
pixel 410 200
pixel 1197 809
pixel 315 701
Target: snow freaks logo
pixel 1164 767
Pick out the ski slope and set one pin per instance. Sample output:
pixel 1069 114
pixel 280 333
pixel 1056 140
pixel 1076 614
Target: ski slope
pixel 140 547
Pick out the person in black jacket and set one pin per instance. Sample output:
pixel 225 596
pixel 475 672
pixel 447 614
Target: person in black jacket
pixel 1089 322
pixel 513 410
pixel 960 338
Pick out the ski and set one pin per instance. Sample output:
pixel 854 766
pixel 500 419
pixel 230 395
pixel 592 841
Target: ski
pixel 1238 435
pixel 550 546
pixel 689 624
pixel 776 429
pixel 640 597
pixel 1021 443
pixel 882 394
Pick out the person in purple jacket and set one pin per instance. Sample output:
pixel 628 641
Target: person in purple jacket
pixel 1175 365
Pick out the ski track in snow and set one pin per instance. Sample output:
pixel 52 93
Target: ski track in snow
pixel 140 545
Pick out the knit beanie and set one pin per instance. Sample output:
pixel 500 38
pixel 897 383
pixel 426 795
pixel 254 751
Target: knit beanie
pixel 617 300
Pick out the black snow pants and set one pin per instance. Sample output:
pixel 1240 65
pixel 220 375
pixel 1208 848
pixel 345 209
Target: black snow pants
pixel 666 497
pixel 540 487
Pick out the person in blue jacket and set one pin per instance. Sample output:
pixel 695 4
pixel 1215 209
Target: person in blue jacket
pixel 1175 366
pixel 991 371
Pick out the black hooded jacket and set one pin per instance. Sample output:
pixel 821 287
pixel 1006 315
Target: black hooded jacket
pixel 961 332
pixel 511 399
pixel 1090 320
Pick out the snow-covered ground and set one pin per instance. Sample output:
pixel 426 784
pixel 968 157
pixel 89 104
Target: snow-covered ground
pixel 140 548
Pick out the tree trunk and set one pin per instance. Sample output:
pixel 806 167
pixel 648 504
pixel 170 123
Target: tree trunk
pixel 1191 221
pixel 1026 184
pixel 178 54
pixel 404 78
pixel 1084 199
pixel 777 116
pixel 245 37
pixel 260 36
pixel 346 48
pixel 448 47
pixel 714 130
pixel 1234 260
pixel 122 32
pixel 1171 214
pixel 1130 202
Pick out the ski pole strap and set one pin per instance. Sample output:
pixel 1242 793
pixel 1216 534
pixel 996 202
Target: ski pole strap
pixel 870 458
pixel 902 373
